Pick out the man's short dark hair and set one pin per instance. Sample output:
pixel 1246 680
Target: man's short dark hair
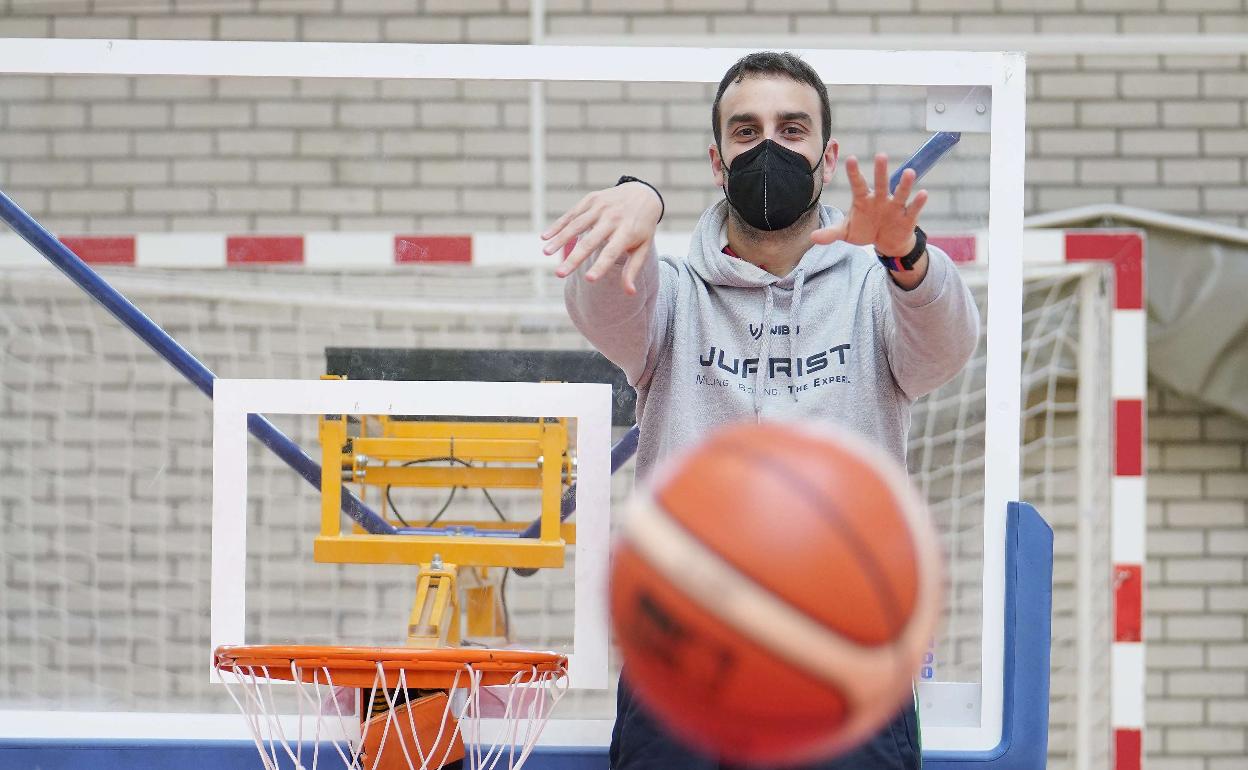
pixel 774 64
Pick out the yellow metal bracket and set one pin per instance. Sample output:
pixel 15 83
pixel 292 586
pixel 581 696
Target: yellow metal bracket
pixel 535 456
pixel 454 578
pixel 434 621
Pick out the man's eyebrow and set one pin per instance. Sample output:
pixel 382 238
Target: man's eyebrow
pixel 784 117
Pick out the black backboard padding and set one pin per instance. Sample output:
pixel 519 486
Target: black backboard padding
pixel 425 364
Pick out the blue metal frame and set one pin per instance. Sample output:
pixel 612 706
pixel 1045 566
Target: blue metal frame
pixel 926 156
pixel 1025 727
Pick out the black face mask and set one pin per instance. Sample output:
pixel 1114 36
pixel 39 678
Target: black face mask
pixel 771 186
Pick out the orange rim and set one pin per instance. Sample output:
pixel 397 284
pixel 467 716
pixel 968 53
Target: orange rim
pixel 439 669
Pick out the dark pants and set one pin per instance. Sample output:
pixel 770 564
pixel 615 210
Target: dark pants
pixel 639 743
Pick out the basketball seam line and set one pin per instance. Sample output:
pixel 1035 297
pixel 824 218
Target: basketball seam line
pixel 818 642
pixel 879 584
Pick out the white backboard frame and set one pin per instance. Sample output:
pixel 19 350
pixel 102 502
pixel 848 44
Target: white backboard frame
pixel 1004 73
pixel 588 404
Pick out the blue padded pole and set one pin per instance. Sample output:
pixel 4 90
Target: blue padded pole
pixel 921 161
pixel 178 357
pixel 1025 668
pixel 926 156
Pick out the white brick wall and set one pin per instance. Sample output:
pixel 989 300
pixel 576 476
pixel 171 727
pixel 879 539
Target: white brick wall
pixel 1197 597
pixel 1120 111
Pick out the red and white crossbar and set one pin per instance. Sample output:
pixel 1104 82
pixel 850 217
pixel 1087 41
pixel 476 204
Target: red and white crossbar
pixel 334 250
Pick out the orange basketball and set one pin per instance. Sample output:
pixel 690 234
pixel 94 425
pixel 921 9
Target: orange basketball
pixel 773 593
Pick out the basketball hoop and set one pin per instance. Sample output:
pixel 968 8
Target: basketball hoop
pixel 418 709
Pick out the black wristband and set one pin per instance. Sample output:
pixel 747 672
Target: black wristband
pixel 662 205
pixel 901 264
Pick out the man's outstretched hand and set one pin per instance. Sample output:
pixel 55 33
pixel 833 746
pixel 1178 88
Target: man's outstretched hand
pixel 876 217
pixel 620 221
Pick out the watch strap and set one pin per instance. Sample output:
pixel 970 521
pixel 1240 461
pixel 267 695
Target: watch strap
pixel 906 263
pixel 662 205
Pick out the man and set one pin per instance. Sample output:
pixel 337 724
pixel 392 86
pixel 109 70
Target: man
pixel 778 313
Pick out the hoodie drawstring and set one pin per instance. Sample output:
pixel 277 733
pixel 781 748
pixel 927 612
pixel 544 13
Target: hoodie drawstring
pixel 795 320
pixel 764 350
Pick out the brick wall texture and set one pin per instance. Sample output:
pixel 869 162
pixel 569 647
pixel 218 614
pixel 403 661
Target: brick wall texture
pixel 1197 596
pixel 123 154
pixel 151 154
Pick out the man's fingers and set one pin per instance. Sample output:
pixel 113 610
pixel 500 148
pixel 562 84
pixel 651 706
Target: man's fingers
pixel 904 186
pixel 587 244
pixel 881 174
pixel 828 235
pixel 636 261
pixel 585 221
pixel 562 221
pixel 557 225
pixel 606 260
pixel 608 255
pixel 916 207
pixel 571 263
pixel 857 183
pixel 556 243
pixel 564 234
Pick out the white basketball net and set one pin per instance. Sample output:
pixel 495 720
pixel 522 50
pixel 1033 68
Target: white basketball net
pixel 528 701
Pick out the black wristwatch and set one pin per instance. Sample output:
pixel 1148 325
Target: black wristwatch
pixel 662 205
pixel 901 264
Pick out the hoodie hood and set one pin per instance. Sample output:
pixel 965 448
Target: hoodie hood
pixel 707 259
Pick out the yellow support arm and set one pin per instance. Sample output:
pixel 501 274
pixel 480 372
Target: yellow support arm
pixel 483 603
pixel 333 435
pixel 434 621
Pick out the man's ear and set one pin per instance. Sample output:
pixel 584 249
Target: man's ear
pixel 717 165
pixel 830 153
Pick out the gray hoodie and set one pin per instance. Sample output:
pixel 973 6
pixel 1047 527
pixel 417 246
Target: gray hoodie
pixel 713 339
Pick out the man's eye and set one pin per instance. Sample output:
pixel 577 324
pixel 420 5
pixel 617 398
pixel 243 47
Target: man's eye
pixel 745 132
pixel 793 130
